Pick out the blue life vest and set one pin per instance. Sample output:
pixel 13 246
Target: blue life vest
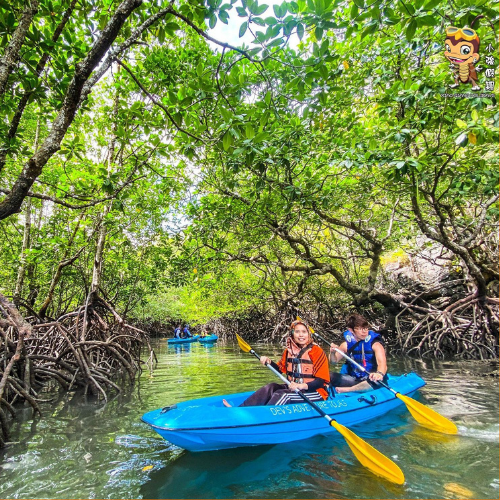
pixel 187 333
pixel 362 353
pixel 177 333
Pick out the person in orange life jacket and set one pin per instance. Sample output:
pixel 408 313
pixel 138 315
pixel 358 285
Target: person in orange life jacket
pixel 305 365
pixel 367 349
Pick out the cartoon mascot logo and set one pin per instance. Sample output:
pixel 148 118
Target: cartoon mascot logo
pixel 462 50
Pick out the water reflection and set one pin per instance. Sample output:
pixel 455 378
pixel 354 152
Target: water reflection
pixel 181 348
pixel 84 449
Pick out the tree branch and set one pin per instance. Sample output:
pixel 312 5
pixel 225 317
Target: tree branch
pixel 33 168
pixel 156 102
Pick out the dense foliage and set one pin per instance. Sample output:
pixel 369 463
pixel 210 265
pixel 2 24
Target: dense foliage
pixel 214 181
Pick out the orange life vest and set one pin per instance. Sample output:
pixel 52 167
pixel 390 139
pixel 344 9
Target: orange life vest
pixel 299 366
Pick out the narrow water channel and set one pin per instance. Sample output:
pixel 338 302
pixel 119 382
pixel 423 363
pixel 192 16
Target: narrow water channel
pixel 84 449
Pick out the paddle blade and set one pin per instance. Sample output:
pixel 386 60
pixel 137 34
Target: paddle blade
pixel 243 345
pixel 372 459
pixel 427 417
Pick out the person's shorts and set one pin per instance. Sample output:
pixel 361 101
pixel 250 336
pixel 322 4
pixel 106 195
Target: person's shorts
pixel 345 380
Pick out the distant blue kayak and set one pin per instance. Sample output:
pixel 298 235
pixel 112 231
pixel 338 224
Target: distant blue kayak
pixel 206 424
pixel 208 339
pixel 183 341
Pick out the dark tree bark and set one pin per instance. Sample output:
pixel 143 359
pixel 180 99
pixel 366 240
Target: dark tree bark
pixel 11 55
pixel 27 94
pixel 33 168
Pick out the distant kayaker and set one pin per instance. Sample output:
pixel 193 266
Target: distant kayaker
pixel 366 348
pixel 186 332
pixel 177 332
pixel 306 366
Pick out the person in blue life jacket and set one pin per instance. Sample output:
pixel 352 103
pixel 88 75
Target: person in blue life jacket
pixel 177 332
pixel 186 333
pixel 364 346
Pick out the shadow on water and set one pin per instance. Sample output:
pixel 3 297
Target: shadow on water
pixel 319 467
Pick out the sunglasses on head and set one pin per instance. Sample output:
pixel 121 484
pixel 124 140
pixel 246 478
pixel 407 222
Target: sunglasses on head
pixel 467 33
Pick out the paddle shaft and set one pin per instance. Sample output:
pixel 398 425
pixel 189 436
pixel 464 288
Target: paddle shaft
pixel 357 365
pixel 298 391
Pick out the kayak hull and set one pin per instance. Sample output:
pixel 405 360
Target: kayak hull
pixel 206 424
pixel 208 339
pixel 183 341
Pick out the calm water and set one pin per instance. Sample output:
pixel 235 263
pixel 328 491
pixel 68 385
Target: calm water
pixel 82 449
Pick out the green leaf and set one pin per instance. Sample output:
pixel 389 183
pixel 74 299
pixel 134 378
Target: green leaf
pixel 461 123
pixel 267 98
pixel 261 9
pixel 300 31
pixel 172 27
pixel 410 30
pixel 227 140
pixel 428 20
pixel 212 21
pixel 275 43
pixel 259 21
pixel 249 131
pixel 431 4
pixel 354 11
pixel 224 16
pixel 199 69
pixel 161 35
pixel 241 12
pixel 408 8
pixel 243 29
pixel 318 33
pixel 319 7
pixel 261 137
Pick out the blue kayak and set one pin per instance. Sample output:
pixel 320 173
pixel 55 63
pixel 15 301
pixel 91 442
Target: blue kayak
pixel 206 424
pixel 208 339
pixel 183 341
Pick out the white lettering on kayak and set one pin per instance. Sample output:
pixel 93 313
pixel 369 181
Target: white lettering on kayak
pixel 300 408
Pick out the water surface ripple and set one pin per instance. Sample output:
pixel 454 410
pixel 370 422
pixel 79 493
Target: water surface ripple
pixel 83 449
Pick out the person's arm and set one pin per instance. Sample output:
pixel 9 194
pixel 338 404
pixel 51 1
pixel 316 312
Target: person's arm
pixel 315 384
pixel 335 357
pixel 268 361
pixel 379 352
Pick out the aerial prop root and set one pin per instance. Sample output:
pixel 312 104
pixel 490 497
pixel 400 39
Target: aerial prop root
pixel 91 348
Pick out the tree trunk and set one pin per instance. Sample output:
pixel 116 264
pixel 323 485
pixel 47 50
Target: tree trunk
pixel 26 241
pixel 28 93
pixel 11 55
pixel 18 291
pixel 62 264
pixel 33 168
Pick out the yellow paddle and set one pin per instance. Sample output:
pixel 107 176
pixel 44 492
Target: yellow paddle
pixel 368 456
pixel 421 413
